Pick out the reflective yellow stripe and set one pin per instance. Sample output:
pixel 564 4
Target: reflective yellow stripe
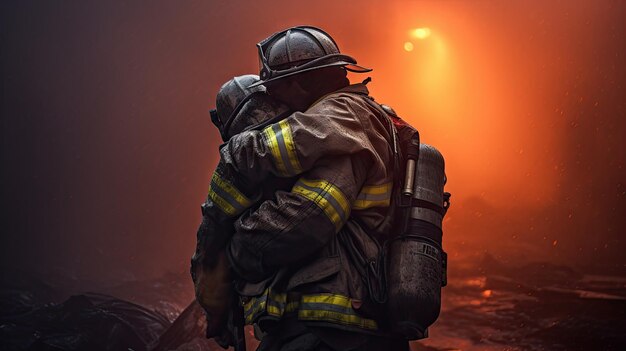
pixel 227 197
pixel 283 149
pixel 274 311
pixel 328 298
pixel 221 203
pixel 365 204
pixel 332 308
pixel 276 304
pixel 373 196
pixel 253 308
pixel 326 196
pixel 289 145
pixel 272 143
pixel 336 317
pixel 325 307
pixel 377 189
pixel 234 192
pixel 271 303
pixel 334 191
pixel 321 202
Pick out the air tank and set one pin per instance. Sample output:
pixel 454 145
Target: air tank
pixel 415 259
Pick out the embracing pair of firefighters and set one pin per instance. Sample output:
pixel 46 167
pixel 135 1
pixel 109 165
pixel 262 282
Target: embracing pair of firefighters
pixel 322 226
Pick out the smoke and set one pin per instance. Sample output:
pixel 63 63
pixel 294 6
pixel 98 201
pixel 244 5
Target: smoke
pixel 524 100
pixel 108 147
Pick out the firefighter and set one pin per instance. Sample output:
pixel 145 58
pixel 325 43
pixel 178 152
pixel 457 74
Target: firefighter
pixel 237 108
pixel 295 254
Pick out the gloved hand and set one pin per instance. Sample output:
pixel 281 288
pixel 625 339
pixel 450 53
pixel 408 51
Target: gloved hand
pixel 214 292
pixel 233 334
pixel 210 270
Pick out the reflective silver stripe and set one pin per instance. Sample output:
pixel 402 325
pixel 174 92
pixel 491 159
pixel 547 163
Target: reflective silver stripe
pixel 373 196
pixel 326 307
pixel 268 303
pixel 332 308
pixel 326 196
pixel 283 149
pixel 280 142
pixel 227 197
pixel 253 307
pixel 323 307
pixel 290 146
pixel 338 318
pixel 272 145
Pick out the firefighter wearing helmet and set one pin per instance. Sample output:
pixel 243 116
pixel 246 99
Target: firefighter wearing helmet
pixel 238 108
pixel 308 259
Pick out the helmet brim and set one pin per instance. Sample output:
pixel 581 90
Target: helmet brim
pixel 349 66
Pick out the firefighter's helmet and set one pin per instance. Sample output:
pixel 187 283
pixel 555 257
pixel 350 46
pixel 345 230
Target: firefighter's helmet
pixel 239 107
pixel 231 94
pixel 300 49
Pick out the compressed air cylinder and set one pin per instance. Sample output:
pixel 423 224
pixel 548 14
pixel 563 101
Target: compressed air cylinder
pixel 415 260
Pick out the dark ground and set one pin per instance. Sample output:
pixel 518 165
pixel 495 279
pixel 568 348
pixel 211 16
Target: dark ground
pixel 486 306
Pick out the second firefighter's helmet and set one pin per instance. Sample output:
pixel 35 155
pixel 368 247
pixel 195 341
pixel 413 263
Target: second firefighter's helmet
pixel 232 93
pixel 300 49
pixel 239 107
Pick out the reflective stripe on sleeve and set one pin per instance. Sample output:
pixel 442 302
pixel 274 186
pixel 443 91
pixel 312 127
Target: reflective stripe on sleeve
pixel 269 303
pixel 227 197
pixel 326 196
pixel 280 143
pixel 254 307
pixel 373 196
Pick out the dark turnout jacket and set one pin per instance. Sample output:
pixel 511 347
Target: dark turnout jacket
pixel 289 251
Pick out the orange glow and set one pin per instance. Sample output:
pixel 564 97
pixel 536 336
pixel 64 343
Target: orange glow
pixel 479 282
pixel 421 33
pixel 470 96
pixel 487 293
pixel 510 105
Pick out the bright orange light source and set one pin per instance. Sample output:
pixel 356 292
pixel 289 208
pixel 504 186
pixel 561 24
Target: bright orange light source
pixel 421 33
pixel 408 46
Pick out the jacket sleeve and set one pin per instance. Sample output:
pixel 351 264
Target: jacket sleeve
pixel 209 272
pixel 209 265
pixel 294 145
pixel 223 204
pixel 296 224
pixel 214 232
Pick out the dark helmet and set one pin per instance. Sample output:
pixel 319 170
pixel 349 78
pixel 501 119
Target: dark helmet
pixel 239 107
pixel 300 49
pixel 232 93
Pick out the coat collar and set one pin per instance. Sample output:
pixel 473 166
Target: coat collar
pixel 358 88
